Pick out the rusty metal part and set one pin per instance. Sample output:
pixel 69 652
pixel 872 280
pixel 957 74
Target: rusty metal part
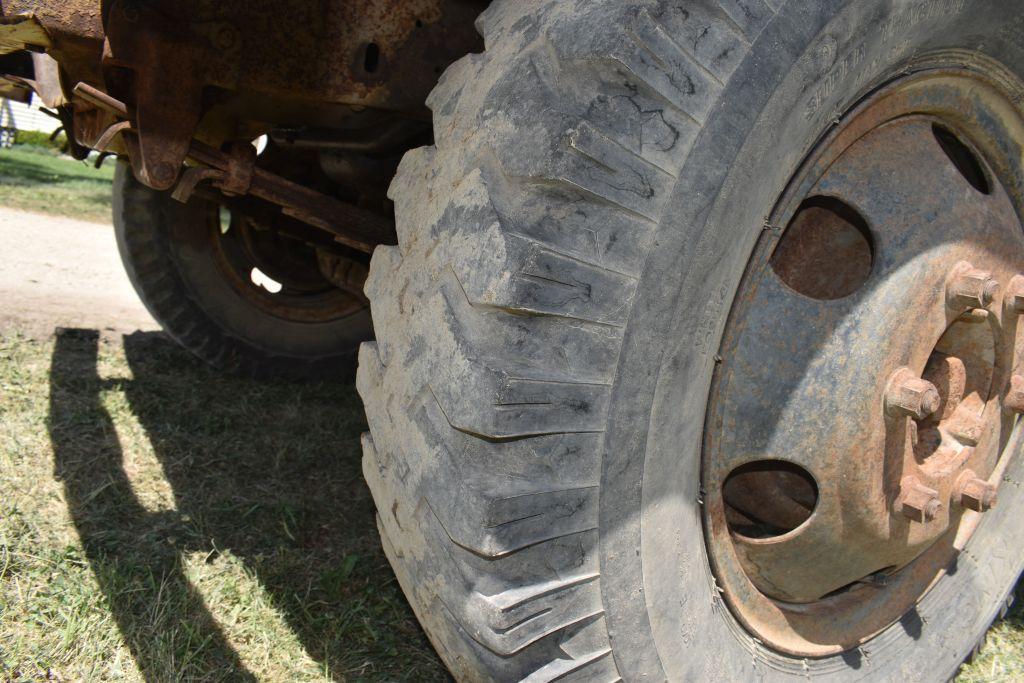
pixel 385 136
pixel 970 288
pixel 22 32
pixel 257 212
pixel 975 493
pixel 241 167
pixel 344 272
pixel 101 100
pixel 106 138
pixel 191 179
pixel 948 374
pixel 148 47
pixel 1015 294
pixel 33 72
pixel 968 429
pixel 236 173
pixel 917 502
pixel 222 70
pixel 46 81
pixel 71 31
pixel 909 396
pixel 883 391
pixel 1014 399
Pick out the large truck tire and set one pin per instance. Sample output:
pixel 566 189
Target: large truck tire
pixel 664 293
pixel 193 265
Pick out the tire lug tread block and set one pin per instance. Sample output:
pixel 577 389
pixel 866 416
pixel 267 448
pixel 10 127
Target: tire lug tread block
pixel 498 318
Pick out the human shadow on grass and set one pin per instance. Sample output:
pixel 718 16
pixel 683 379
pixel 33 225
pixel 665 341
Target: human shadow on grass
pixel 267 473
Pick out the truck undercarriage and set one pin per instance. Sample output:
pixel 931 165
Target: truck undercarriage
pixel 182 88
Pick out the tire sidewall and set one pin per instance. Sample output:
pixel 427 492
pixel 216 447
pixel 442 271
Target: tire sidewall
pixel 812 63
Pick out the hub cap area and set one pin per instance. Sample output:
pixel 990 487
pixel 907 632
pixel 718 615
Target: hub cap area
pixel 870 369
pixel 283 276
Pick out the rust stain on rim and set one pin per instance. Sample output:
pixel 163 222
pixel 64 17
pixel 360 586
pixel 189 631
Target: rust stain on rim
pixel 900 244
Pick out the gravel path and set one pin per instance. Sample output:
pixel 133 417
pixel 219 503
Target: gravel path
pixel 59 272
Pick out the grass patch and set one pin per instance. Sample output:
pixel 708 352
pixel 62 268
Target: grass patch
pixel 1002 657
pixel 37 178
pixel 160 521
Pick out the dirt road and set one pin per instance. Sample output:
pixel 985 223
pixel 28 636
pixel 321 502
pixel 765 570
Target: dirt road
pixel 58 272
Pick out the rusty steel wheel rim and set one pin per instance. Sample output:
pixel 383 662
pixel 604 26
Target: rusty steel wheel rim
pixel 870 370
pixel 305 295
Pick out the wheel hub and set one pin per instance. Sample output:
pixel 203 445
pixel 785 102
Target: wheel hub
pixel 304 293
pixel 868 385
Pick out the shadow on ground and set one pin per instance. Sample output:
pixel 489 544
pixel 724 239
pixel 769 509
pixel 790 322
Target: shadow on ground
pixel 266 471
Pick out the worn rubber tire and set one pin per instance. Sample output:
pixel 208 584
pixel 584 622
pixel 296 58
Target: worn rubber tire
pixel 548 324
pixel 172 268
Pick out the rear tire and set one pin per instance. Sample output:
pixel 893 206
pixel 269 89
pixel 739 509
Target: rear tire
pixel 167 250
pixel 548 328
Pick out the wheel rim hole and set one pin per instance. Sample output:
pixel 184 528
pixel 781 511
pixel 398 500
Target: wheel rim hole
pixel 826 251
pixel 224 219
pixel 768 498
pixel 261 144
pixel 261 279
pixel 371 58
pixel 963 159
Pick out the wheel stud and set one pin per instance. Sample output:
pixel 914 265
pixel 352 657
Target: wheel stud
pixel 975 493
pixel 971 288
pixel 917 502
pixel 911 396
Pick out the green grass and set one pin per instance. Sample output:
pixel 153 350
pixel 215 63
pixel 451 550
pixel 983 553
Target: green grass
pixel 161 522
pixel 1002 658
pixel 37 178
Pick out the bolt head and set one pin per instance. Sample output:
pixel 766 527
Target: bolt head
pixel 975 493
pixel 911 396
pixel 971 288
pixel 917 502
pixel 160 176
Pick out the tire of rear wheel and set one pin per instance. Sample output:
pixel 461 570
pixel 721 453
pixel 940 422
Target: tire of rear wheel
pixel 165 252
pixel 547 329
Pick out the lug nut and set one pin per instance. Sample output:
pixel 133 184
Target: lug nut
pixel 970 287
pixel 975 493
pixel 1014 399
pixel 917 502
pixel 1015 293
pixel 909 395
